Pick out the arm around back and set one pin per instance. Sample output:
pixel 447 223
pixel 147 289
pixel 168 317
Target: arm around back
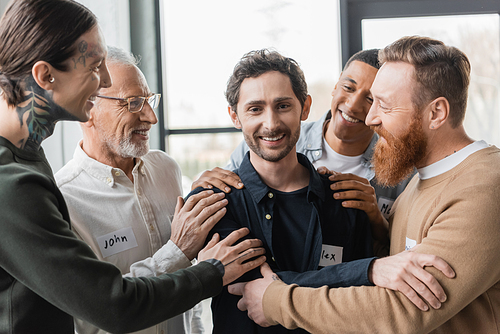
pixel 42 256
pixel 460 226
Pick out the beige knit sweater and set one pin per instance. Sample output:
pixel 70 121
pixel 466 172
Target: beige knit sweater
pixel 456 216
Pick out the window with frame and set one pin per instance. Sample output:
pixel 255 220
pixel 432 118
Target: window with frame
pixel 203 41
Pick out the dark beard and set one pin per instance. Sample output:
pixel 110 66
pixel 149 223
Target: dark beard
pixel 397 158
pixel 278 155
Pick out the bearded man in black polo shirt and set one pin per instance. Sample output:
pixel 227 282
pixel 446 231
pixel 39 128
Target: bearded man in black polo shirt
pixel 309 237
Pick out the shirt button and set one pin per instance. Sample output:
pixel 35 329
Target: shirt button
pixel 268 216
pixel 108 180
pixel 270 195
pixel 316 153
pixel 308 145
pixel 138 192
pixel 117 173
pixel 151 227
pixel 273 259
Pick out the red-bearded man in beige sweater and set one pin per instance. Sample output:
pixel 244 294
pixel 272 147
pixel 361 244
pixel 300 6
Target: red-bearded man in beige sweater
pixel 450 208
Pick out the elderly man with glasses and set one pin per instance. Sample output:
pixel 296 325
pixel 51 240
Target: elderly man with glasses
pixel 122 196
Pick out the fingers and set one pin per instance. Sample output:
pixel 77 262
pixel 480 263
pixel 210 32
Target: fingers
pixel 353 185
pixel 209 223
pixel 205 205
pixel 194 199
pixel 265 270
pixel 241 265
pixel 219 178
pixel 435 261
pixel 242 305
pixel 236 235
pixel 213 241
pixel 347 177
pixel 405 272
pixel 355 195
pixel 413 297
pixel 236 289
pixel 245 250
pixel 324 170
pixel 178 205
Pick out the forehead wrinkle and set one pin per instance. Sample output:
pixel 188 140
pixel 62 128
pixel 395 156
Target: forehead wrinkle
pixel 126 85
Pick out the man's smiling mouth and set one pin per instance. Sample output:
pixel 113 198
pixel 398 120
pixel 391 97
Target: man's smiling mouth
pixel 348 118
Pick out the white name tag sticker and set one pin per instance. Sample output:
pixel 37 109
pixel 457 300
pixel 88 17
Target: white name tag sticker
pixel 116 242
pixel 385 206
pixel 330 255
pixel 410 243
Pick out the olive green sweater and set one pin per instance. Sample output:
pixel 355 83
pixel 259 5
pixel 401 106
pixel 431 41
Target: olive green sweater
pixel 47 275
pixel 455 215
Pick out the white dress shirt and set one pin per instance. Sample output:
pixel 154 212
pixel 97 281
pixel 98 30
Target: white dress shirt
pixel 128 224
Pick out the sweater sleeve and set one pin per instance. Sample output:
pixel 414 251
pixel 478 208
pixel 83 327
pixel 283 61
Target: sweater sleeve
pixel 461 226
pixel 39 250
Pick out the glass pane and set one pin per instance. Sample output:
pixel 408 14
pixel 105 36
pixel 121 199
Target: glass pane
pixel 205 39
pixel 476 35
pixel 196 153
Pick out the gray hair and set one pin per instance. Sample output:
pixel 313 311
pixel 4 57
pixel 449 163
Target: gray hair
pixel 120 56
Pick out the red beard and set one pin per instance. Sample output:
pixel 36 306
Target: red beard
pixel 396 159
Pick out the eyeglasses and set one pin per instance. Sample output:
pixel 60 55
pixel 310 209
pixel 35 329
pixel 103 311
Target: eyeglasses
pixel 136 103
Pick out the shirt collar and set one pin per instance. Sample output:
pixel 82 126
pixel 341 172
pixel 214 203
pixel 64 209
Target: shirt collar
pixel 314 136
pixel 100 171
pixel 368 154
pixel 450 161
pixel 258 189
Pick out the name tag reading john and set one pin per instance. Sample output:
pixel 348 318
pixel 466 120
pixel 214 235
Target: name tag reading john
pixel 330 255
pixel 116 242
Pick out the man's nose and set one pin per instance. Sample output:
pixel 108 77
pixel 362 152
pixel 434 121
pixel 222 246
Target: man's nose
pixel 148 114
pixel 372 117
pixel 271 119
pixel 357 103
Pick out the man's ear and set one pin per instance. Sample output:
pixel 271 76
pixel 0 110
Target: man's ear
pixel 43 74
pixel 234 117
pixel 306 109
pixel 90 122
pixel 439 112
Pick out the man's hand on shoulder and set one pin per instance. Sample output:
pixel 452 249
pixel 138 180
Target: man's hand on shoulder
pixel 234 257
pixel 194 219
pixel 405 272
pixel 219 178
pixel 356 192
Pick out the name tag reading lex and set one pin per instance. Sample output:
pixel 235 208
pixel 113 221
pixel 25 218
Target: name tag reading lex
pixel 330 255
